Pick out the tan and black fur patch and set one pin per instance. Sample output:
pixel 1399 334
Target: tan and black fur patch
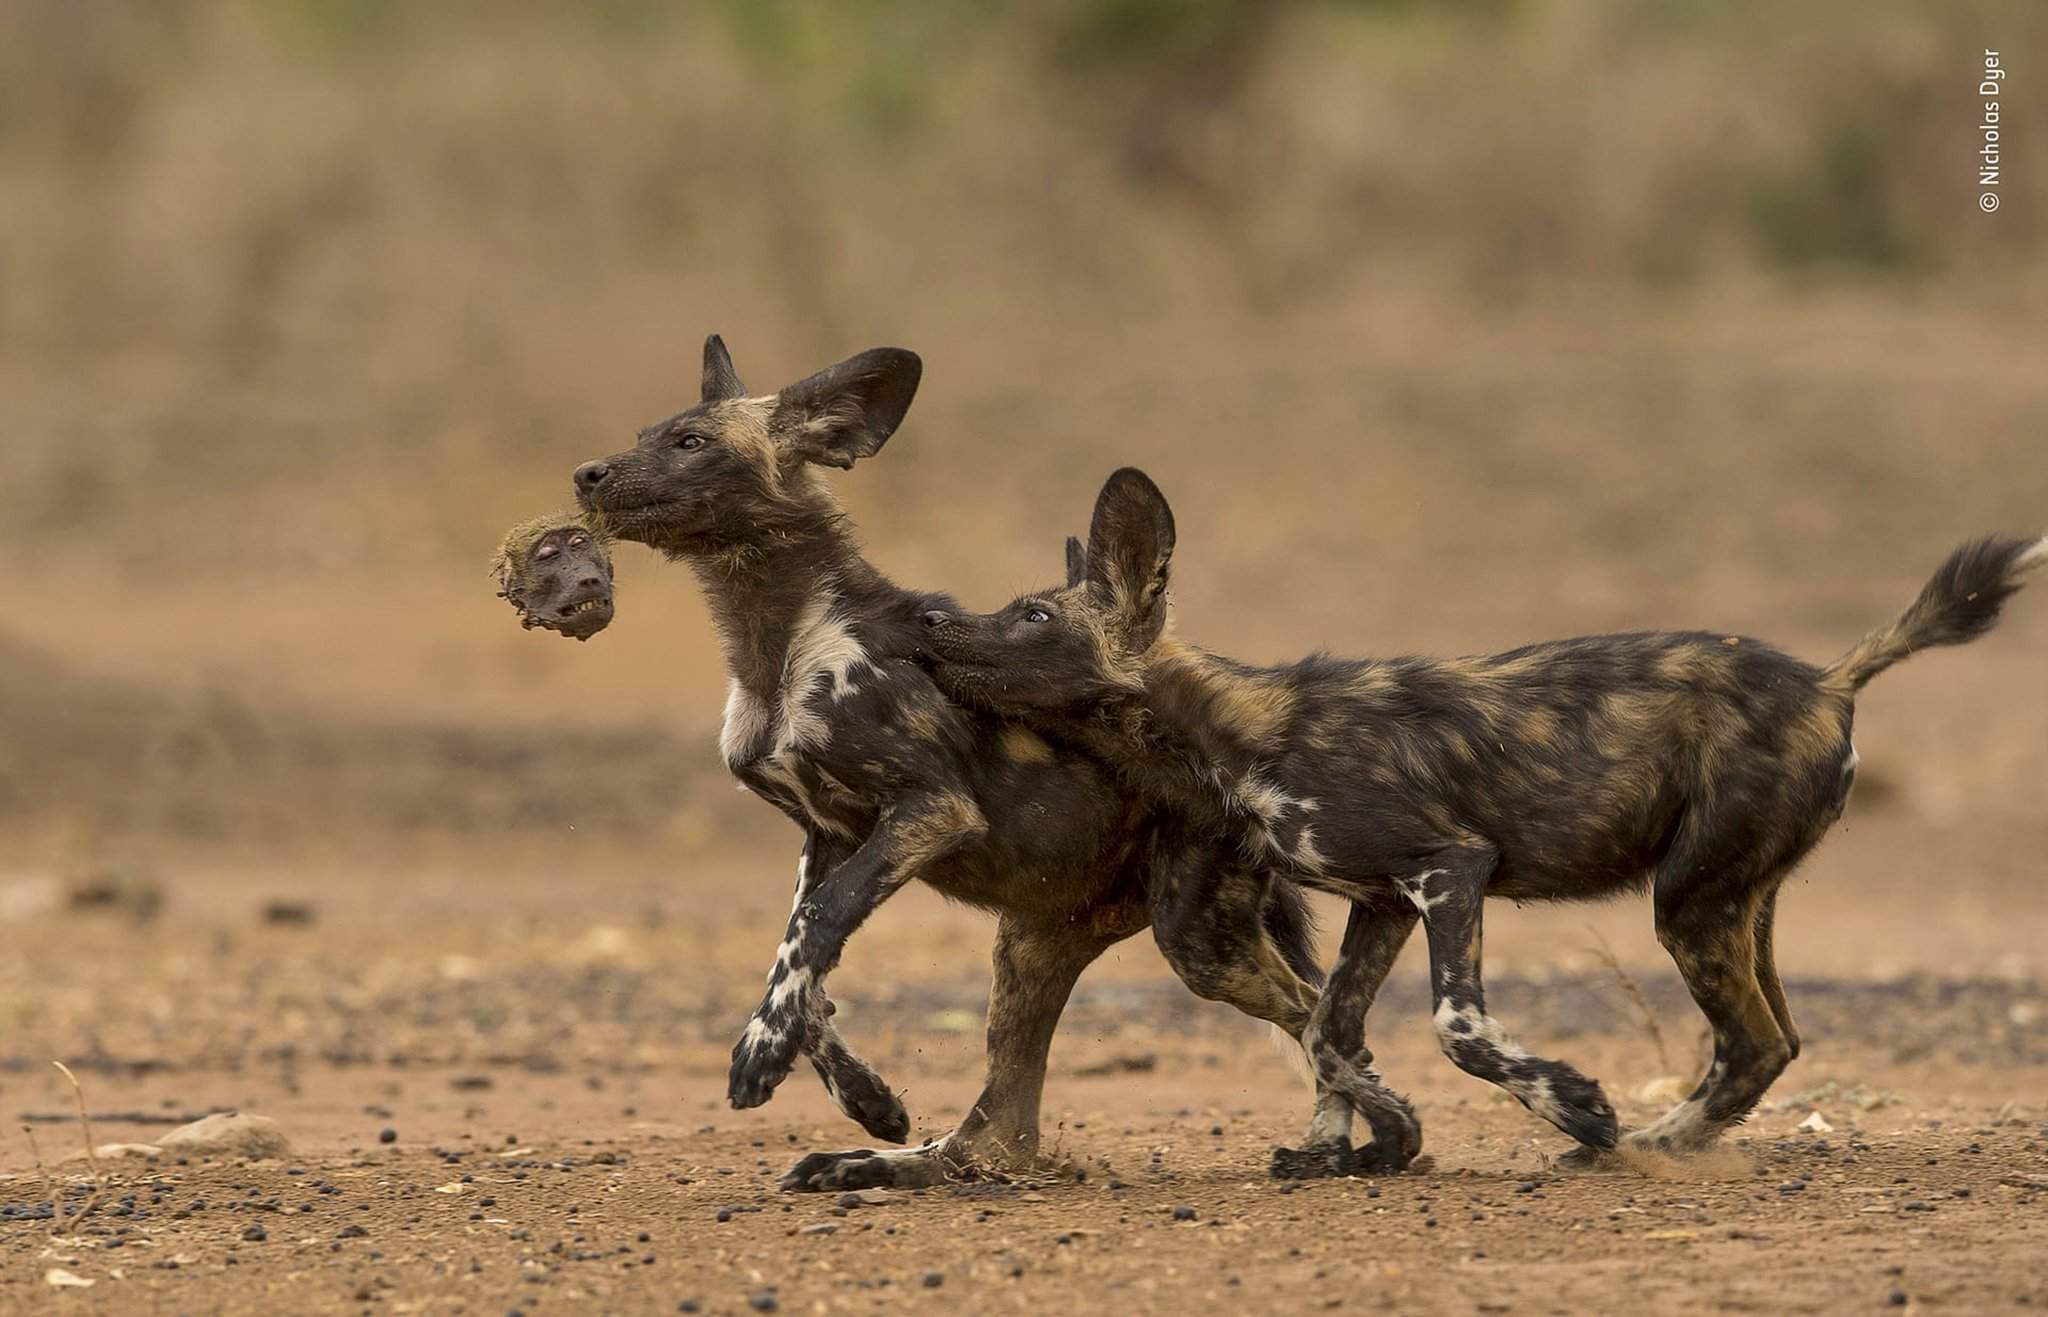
pixel 1699 765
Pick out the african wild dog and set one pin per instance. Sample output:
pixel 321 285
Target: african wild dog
pixel 1703 766
pixel 556 573
pixel 829 717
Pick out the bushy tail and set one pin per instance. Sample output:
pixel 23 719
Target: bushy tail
pixel 1292 926
pixel 1959 604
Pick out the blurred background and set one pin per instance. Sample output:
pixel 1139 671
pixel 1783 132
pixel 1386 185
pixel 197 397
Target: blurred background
pixel 1446 327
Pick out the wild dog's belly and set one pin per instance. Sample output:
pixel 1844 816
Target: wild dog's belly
pixel 1062 837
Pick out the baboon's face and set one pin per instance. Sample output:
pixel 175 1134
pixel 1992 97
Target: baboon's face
pixel 1049 651
pixel 734 470
pixel 558 575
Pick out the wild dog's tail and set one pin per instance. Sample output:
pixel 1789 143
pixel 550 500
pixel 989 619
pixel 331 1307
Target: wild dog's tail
pixel 1959 604
pixel 1292 926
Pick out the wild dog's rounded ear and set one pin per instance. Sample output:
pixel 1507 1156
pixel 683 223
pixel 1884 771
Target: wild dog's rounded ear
pixel 1130 551
pixel 848 411
pixel 721 381
pixel 1077 561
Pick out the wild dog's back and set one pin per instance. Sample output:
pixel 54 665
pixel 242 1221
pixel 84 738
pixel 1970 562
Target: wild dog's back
pixel 1576 757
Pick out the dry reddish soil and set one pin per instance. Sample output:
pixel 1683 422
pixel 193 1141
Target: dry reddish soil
pixel 544 1037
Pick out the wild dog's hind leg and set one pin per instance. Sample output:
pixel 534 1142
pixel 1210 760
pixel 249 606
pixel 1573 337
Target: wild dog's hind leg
pixel 1335 1041
pixel 1767 979
pixel 1707 918
pixel 1208 917
pixel 1036 966
pixel 1450 890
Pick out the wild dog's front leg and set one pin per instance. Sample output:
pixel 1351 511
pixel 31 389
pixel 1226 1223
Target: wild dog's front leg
pixel 913 833
pixel 1036 966
pixel 1450 891
pixel 853 1084
pixel 1335 1041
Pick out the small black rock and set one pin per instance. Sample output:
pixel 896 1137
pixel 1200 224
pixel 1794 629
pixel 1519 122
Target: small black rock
pixel 387 1135
pixel 1183 1213
pixel 255 1234
pixel 934 1279
pixel 764 1302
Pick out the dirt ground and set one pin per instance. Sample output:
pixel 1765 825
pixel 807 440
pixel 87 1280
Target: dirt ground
pixel 1446 328
pixel 548 1056
pixel 344 847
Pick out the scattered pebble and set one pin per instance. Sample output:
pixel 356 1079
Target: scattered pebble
pixel 229 1134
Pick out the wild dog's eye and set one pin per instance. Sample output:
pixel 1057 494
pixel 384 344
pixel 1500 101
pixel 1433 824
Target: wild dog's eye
pixel 1038 615
pixel 690 442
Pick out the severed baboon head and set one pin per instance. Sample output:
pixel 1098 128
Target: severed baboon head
pixel 557 572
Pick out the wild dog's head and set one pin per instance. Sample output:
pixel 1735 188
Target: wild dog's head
pixel 735 470
pixel 1083 643
pixel 556 573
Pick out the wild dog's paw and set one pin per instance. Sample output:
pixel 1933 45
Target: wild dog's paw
pixel 762 1059
pixel 1336 1160
pixel 1396 1137
pixel 1583 1158
pixel 1582 1110
pixel 865 1168
pixel 1319 1161
pixel 863 1096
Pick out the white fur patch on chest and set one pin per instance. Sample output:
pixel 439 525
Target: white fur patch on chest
pixel 819 665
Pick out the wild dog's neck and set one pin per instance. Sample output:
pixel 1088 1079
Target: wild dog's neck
pixel 760 592
pixel 1195 737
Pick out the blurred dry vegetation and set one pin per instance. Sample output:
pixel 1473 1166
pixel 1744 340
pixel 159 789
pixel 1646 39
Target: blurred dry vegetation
pixel 1447 326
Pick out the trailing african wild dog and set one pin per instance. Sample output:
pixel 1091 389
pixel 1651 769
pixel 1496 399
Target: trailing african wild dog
pixel 556 573
pixel 829 717
pixel 1703 766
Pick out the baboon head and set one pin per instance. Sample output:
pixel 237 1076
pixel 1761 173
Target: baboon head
pixel 737 470
pixel 1082 643
pixel 556 571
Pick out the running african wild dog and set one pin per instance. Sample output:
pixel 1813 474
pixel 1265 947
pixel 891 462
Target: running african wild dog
pixel 1702 766
pixel 829 717
pixel 556 572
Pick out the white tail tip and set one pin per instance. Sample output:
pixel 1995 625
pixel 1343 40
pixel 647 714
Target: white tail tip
pixel 2034 555
pixel 1292 1053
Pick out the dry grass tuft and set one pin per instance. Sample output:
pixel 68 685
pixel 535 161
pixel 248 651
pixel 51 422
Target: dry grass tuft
pixel 1646 1018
